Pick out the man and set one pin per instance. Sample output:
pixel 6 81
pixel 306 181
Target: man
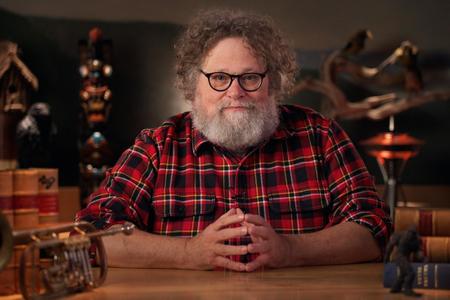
pixel 240 182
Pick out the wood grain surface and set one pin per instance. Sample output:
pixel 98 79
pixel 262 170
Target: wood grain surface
pixel 357 281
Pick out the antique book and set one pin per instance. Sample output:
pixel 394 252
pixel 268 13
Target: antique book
pixel 26 213
pixel 6 195
pixel 48 195
pixel 9 276
pixel 428 275
pixel 429 222
pixel 436 248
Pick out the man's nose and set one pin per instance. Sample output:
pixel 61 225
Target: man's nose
pixel 235 90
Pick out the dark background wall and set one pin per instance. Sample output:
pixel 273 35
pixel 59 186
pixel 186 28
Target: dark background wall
pixel 141 85
pixel 143 95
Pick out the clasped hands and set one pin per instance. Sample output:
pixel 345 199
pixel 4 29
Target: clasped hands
pixel 207 249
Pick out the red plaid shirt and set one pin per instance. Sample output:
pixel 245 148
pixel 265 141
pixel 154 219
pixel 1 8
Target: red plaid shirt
pixel 307 177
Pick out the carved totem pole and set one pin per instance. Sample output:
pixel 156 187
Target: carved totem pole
pixel 95 71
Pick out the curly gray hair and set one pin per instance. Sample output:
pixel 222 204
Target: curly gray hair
pixel 259 32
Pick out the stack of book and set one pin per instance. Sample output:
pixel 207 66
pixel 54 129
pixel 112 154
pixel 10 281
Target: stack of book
pixel 433 225
pixel 28 198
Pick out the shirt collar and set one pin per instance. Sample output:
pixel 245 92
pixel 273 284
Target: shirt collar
pixel 198 139
pixel 283 130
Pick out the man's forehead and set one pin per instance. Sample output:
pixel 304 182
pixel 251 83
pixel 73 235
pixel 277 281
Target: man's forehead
pixel 229 71
pixel 229 52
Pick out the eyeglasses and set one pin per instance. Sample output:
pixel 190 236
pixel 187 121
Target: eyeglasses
pixel 221 81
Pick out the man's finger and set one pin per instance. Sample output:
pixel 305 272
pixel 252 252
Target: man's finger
pixel 227 250
pixel 257 263
pixel 260 247
pixel 254 238
pixel 226 263
pixel 259 231
pixel 239 211
pixel 226 221
pixel 255 219
pixel 232 211
pixel 247 224
pixel 229 233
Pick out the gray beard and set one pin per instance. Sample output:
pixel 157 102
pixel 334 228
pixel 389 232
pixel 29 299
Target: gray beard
pixel 237 131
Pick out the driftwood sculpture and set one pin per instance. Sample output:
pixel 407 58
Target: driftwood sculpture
pixel 374 107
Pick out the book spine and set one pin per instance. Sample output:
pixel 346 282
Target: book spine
pixel 6 195
pixel 25 199
pixel 436 249
pixel 32 281
pixel 428 275
pixel 429 222
pixel 48 196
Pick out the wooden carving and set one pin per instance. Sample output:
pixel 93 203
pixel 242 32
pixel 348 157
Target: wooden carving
pixel 374 107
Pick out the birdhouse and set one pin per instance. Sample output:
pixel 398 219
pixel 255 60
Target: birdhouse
pixel 16 80
pixel 16 84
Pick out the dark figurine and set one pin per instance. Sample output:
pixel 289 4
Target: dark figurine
pixel 35 136
pixel 408 248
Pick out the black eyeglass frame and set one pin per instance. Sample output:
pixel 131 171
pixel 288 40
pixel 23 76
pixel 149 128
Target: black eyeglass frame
pixel 239 76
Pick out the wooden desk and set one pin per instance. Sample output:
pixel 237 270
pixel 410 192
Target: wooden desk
pixel 359 281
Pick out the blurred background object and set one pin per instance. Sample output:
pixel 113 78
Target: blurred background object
pixel 35 137
pixel 17 83
pixel 95 70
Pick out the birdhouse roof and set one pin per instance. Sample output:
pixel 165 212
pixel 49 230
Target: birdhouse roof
pixel 9 57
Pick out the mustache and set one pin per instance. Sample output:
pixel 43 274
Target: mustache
pixel 234 103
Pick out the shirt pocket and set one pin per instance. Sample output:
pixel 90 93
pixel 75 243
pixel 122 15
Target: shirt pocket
pixel 183 216
pixel 296 213
pixel 181 206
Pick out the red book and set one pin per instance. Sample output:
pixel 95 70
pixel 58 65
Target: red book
pixel 429 222
pixel 25 199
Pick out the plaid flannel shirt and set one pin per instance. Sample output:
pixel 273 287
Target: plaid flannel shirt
pixel 306 177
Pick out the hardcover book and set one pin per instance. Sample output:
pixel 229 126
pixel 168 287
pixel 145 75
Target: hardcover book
pixel 428 275
pixel 436 248
pixel 429 222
